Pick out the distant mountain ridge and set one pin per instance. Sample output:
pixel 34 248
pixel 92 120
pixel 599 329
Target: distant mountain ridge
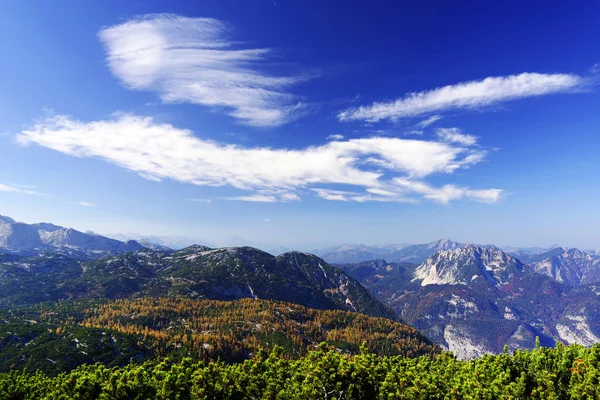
pixel 569 266
pixel 30 239
pixel 197 272
pixel 474 300
pixel 415 253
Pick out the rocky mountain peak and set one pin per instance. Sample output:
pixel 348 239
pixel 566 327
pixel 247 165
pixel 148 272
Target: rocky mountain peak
pixel 35 238
pixel 6 220
pixel 444 244
pixel 468 264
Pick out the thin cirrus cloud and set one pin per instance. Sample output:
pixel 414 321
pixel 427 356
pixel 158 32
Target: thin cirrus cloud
pixel 466 95
pixel 448 193
pixel 255 198
pixel 429 121
pixel 23 189
pixel 86 204
pixel 455 135
pixel 159 151
pixel 192 60
pixel 335 136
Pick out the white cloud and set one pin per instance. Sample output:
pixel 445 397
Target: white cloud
pixel 429 121
pixel 447 193
pixel 330 194
pixel 158 151
pixel 191 60
pixel 335 137
pixel 489 196
pixel 207 201
pixel 289 197
pixel 381 195
pixel 382 192
pixel 24 186
pixel 23 189
pixel 414 132
pixel 255 198
pixel 468 95
pixel 86 204
pixel 454 135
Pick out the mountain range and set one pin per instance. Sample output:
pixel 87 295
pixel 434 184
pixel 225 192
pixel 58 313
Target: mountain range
pixel 197 272
pixel 570 266
pixel 415 253
pixel 467 298
pixel 20 238
pixel 475 300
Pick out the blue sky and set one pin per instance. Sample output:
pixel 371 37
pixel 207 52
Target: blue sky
pixel 304 123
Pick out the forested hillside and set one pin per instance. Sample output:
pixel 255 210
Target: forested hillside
pixel 196 272
pixel 57 337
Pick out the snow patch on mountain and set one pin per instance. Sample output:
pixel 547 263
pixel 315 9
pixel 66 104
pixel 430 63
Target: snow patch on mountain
pixel 461 343
pixel 18 237
pixel 577 330
pixel 462 307
pixel 508 313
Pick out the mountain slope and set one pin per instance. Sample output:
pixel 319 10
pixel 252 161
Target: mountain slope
pixel 355 253
pixel 569 266
pixel 33 239
pixel 195 272
pixel 16 235
pixel 416 253
pixel 475 300
pixel 383 279
pixel 469 265
pixel 57 337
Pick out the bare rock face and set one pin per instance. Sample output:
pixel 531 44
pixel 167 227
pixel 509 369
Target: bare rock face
pixel 474 300
pixel 36 238
pixel 468 264
pixel 570 266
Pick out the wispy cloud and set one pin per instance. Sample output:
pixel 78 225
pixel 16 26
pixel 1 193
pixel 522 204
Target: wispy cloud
pixel 447 193
pixel 429 121
pixel 207 201
pixel 192 60
pixel 86 204
pixel 331 194
pixel 336 136
pixel 160 151
pixel 372 194
pixel 254 198
pixel 24 186
pixel 23 189
pixel 454 135
pixel 466 95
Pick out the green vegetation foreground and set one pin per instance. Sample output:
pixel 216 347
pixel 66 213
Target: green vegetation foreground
pixel 571 372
